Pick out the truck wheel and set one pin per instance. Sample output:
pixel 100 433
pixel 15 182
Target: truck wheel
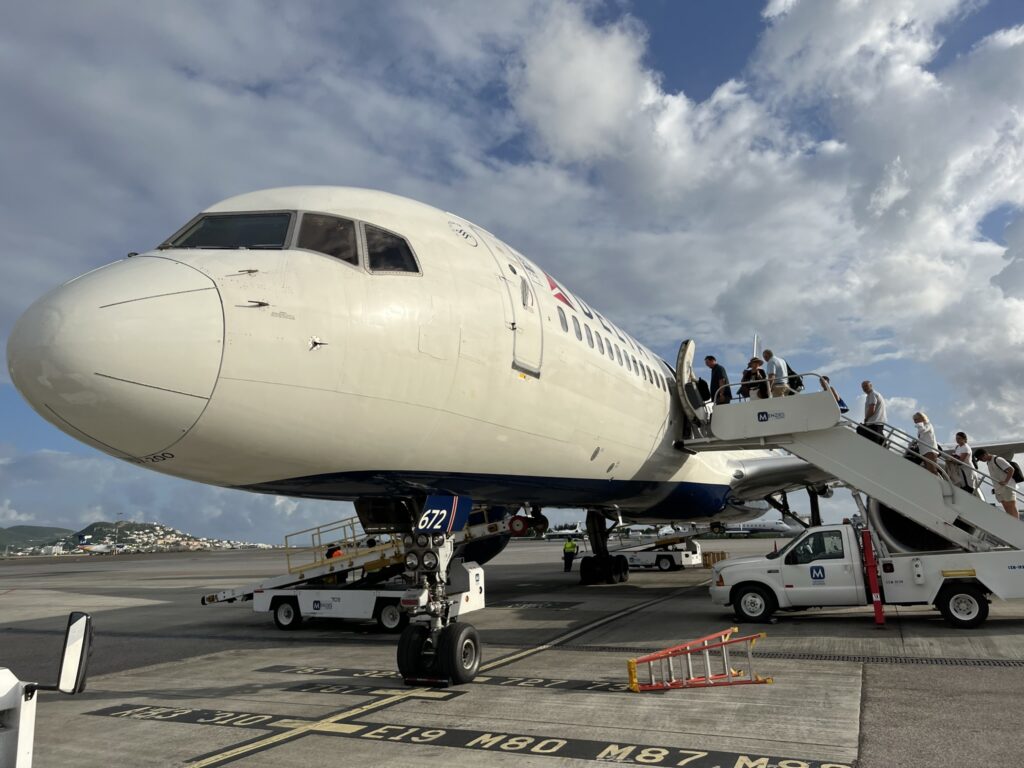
pixel 390 617
pixel 752 602
pixel 664 563
pixel 964 606
pixel 410 657
pixel 623 565
pixel 458 651
pixel 287 614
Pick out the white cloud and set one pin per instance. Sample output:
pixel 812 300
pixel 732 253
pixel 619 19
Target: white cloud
pixel 11 516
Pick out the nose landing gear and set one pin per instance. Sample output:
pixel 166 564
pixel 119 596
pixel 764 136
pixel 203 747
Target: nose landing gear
pixel 436 648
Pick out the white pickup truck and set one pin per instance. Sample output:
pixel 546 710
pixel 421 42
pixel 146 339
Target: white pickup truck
pixel 665 555
pixel 825 567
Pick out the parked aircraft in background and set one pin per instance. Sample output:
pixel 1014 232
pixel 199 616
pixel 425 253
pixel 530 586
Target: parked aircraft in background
pixel 577 532
pixel 780 525
pixel 339 343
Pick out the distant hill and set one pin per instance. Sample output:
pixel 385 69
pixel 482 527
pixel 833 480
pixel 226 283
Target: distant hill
pixel 31 535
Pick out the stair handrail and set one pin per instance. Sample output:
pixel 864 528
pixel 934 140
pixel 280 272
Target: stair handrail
pixel 901 443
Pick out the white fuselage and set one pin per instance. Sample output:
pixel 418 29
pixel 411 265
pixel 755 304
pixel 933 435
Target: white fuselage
pixel 290 371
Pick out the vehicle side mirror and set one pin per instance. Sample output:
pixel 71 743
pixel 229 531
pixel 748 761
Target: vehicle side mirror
pixel 790 558
pixel 74 662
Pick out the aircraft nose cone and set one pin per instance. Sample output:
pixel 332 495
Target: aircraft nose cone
pixel 124 358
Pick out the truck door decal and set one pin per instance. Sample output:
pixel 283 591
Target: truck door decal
pixel 817 573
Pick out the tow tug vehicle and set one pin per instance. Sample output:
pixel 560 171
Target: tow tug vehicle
pixel 668 554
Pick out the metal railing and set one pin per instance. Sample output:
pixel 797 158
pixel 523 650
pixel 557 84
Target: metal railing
pixel 341 543
pixel 905 445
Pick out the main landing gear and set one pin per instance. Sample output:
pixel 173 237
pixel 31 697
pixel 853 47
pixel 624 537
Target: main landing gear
pixel 601 567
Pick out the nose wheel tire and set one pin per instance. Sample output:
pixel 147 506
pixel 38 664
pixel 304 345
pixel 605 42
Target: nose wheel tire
pixel 287 614
pixel 964 606
pixel 753 603
pixel 415 654
pixel 458 652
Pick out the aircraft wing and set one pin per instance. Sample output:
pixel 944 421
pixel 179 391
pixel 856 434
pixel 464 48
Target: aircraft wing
pixel 766 475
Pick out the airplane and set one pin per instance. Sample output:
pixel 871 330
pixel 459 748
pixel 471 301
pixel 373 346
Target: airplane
pixel 578 532
pixel 93 549
pixel 780 526
pixel 350 344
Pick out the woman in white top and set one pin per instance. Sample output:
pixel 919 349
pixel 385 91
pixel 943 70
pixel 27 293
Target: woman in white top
pixel 926 444
pixel 962 452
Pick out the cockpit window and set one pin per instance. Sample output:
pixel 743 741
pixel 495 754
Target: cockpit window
pixel 267 231
pixel 388 252
pixel 330 235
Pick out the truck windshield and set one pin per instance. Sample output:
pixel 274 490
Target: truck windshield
pixel 267 231
pixel 785 549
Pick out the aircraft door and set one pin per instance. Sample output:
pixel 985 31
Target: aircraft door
pixel 529 345
pixel 528 340
pixel 686 383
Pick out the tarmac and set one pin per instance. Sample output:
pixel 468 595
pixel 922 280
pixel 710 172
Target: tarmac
pixel 174 683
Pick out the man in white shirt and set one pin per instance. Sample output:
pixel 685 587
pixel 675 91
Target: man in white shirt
pixel 1001 472
pixel 873 427
pixel 778 374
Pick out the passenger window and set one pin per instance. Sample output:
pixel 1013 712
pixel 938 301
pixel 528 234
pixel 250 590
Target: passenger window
pixel 618 353
pixel 590 336
pixel 636 368
pixel 561 319
pixel 387 252
pixel 600 343
pixel 576 328
pixel 329 235
pixel 650 374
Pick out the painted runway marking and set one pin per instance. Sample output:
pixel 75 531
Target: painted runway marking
pixel 540 683
pixel 536 605
pixel 574 633
pixel 620 752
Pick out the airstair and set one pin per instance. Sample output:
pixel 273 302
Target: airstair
pixel 811 427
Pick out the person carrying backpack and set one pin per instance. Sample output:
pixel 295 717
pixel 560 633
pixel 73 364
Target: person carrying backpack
pixel 1004 476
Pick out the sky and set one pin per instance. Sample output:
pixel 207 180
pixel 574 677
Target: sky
pixel 844 178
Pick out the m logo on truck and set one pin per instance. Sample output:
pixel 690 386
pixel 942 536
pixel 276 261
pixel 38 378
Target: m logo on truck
pixel 817 573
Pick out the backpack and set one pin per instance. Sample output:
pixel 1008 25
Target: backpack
pixel 796 383
pixel 1018 476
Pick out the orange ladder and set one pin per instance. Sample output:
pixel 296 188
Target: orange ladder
pixel 661 669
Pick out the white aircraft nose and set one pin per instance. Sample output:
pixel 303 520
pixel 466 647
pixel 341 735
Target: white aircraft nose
pixel 124 358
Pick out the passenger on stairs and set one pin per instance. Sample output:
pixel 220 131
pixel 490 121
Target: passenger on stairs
pixel 720 391
pixel 754 383
pixel 968 479
pixel 826 385
pixel 873 427
pixel 778 374
pixel 926 443
pixel 1001 472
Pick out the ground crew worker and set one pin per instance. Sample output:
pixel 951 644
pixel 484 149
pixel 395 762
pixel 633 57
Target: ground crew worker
pixel 569 550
